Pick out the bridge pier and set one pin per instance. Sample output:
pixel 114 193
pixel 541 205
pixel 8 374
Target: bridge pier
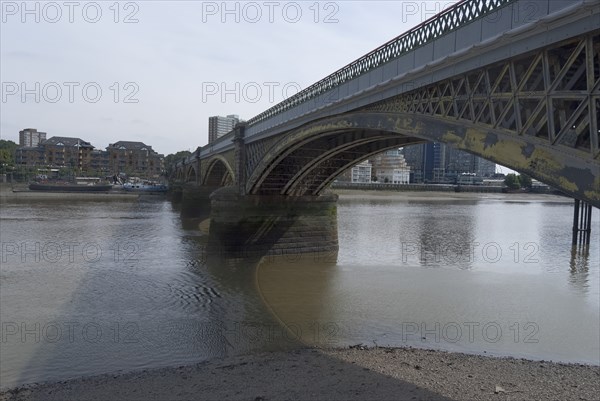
pixel 582 223
pixel 244 226
pixel 175 193
pixel 195 201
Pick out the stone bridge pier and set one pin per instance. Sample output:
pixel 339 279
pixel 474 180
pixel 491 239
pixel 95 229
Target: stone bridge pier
pixel 192 200
pixel 246 225
pixel 195 201
pixel 265 225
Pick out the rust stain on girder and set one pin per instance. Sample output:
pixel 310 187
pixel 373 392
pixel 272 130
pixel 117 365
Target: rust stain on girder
pixel 595 192
pixel 564 169
pixel 407 126
pixel 519 155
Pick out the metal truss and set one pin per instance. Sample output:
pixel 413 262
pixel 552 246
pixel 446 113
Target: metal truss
pixel 552 94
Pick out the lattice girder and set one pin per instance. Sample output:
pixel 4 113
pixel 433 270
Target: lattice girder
pixel 553 94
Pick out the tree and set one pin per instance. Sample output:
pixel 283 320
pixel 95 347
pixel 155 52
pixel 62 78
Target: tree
pixel 525 181
pixel 512 181
pixel 7 154
pixel 174 158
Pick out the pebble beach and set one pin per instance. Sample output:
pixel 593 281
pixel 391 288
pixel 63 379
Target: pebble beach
pixel 354 373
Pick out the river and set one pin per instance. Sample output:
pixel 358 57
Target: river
pixel 90 287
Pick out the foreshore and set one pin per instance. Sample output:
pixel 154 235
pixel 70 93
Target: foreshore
pixel 9 192
pixel 20 191
pixel 335 374
pixel 352 194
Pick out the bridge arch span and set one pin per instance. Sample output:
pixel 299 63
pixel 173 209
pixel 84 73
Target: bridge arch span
pixel 218 172
pixel 179 175
pixel 191 174
pixel 307 159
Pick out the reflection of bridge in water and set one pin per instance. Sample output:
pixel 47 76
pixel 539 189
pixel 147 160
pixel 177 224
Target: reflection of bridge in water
pixel 513 81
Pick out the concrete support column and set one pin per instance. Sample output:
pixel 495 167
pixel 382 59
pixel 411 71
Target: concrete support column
pixel 240 158
pixel 261 225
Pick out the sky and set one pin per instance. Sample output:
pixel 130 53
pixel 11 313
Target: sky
pixel 155 71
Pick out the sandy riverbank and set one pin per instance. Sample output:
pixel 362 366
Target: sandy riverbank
pixel 27 195
pixel 348 194
pixel 11 193
pixel 338 374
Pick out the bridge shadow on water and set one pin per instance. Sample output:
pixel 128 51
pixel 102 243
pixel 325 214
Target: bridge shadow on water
pixel 161 299
pixel 246 256
pixel 237 321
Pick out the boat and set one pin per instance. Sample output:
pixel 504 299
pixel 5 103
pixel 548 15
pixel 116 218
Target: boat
pixel 145 186
pixel 69 187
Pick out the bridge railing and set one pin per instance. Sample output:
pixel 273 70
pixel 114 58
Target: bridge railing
pixel 462 13
pixel 454 17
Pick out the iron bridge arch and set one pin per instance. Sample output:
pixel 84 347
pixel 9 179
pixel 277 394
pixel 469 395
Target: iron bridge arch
pixel 307 160
pixel 218 173
pixel 537 113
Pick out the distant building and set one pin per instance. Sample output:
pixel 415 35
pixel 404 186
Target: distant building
pixel 134 158
pixel 460 162
pixel 361 173
pixel 62 151
pixel 57 151
pixel 390 167
pixel 30 156
pixel 99 161
pixel 439 163
pixel 31 137
pixel 427 162
pixel 414 156
pixel 435 162
pixel 219 126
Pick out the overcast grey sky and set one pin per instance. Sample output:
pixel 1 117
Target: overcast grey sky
pixel 154 71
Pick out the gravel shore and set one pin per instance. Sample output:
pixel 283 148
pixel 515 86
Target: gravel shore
pixel 336 374
pixel 360 195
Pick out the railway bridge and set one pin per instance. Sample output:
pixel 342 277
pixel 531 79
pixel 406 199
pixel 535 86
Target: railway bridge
pixel 513 81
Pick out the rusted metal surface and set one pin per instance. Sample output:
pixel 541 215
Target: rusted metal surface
pixel 372 132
